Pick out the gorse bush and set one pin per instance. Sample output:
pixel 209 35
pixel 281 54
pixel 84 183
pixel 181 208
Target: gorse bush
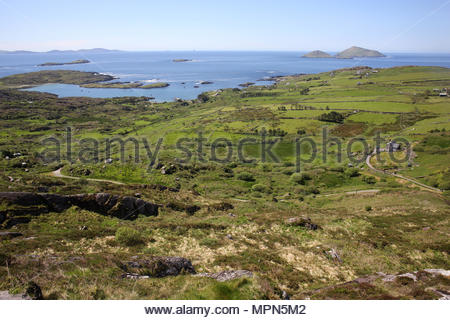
pixel 352 172
pixel 369 179
pixel 300 178
pixel 245 176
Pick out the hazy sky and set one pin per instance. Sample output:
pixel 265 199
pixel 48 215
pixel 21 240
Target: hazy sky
pixel 390 26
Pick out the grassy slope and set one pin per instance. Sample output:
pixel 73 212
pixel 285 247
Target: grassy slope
pixel 405 230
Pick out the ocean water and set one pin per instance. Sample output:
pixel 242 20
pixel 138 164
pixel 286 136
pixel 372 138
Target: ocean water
pixel 224 69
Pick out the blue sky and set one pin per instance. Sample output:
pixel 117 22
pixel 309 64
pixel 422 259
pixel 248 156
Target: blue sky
pixel 389 26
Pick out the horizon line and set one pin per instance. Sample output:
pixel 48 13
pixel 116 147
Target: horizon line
pixel 206 50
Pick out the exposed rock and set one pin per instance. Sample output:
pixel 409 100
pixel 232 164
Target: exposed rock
pixel 302 222
pixel 334 255
pixel 34 291
pixel 9 235
pixel 227 275
pixel 157 267
pixel 5 295
pixel 168 170
pixel 440 272
pixel 391 277
pixel 26 204
pixel 285 295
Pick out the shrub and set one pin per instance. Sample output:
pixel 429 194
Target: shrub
pixel 260 188
pixel 128 237
pixel 245 176
pixel 203 97
pixel 265 167
pixel 312 189
pixel 300 178
pixel 288 171
pixel 352 172
pixel 369 179
pixel 445 185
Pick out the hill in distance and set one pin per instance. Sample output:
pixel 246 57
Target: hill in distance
pixel 358 52
pixel 94 50
pixel 317 54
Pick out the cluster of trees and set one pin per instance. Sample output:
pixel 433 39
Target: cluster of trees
pixel 332 116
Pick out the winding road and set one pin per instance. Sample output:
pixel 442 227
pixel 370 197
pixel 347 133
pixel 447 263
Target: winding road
pixel 58 174
pixel 399 176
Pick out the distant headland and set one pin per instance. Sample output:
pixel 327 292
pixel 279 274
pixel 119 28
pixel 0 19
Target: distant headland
pixel 88 51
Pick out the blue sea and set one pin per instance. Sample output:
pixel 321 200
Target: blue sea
pixel 224 69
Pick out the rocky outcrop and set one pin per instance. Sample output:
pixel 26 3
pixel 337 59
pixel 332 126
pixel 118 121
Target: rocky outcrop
pixel 21 206
pixel 227 275
pixel 9 235
pixel 157 267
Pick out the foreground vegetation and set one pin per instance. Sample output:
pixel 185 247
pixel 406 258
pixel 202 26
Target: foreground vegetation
pixel 236 215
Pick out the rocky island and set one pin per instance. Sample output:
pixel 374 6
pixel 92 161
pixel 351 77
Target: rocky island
pixel 317 54
pixel 51 64
pixel 358 52
pixel 182 60
pixel 126 85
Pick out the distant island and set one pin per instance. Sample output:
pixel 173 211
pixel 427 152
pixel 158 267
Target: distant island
pixel 350 53
pixel 317 54
pixel 181 60
pixel 125 85
pixel 358 52
pixel 50 64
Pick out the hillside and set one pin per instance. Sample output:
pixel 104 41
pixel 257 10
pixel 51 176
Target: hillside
pixel 317 54
pixel 85 224
pixel 357 52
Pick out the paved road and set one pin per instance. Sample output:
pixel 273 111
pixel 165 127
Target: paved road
pixel 58 174
pixel 399 176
